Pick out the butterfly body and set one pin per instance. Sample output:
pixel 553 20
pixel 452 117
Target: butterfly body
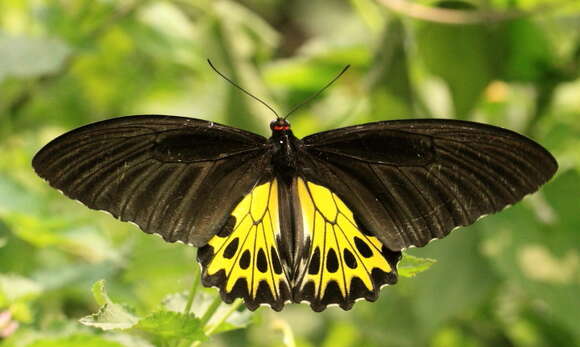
pixel 321 219
pixel 285 149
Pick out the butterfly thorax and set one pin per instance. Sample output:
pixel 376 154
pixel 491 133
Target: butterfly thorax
pixel 284 145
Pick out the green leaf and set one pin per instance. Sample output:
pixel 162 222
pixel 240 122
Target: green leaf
pixel 99 293
pixel 168 324
pixel 77 340
pixel 110 315
pixel 410 266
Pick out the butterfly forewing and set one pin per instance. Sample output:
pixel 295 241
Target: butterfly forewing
pixel 173 176
pixel 413 181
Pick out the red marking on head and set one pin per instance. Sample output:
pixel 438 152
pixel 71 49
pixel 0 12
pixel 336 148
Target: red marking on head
pixel 281 127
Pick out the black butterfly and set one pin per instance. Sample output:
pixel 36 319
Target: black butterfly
pixel 321 219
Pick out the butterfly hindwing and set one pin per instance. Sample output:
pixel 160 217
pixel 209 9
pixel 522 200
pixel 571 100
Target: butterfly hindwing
pixel 243 259
pixel 343 261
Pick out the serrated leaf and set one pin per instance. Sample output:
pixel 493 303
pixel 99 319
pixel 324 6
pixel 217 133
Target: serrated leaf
pixel 75 341
pixel 169 324
pixel 410 266
pixel 111 315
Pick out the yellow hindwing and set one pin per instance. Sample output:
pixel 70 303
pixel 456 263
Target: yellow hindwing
pixel 243 259
pixel 344 262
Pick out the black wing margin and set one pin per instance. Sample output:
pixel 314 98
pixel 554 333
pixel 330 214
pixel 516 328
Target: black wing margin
pixel 411 181
pixel 173 176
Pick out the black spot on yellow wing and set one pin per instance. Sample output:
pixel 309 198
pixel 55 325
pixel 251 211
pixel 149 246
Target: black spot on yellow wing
pixel 344 262
pixel 231 248
pixel 242 260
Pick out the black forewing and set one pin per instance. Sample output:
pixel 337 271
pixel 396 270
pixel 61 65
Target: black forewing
pixel 174 176
pixel 410 181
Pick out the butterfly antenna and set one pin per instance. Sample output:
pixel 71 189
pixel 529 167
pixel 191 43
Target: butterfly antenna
pixel 242 89
pixel 317 94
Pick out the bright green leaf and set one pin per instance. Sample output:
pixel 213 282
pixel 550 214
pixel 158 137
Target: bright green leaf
pixel 410 266
pixel 99 293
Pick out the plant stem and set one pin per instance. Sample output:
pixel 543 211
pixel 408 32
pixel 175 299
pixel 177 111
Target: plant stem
pixel 190 299
pixel 233 307
pixel 192 292
pixel 211 310
pixel 208 314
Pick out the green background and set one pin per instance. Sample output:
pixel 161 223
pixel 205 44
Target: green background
pixel 512 279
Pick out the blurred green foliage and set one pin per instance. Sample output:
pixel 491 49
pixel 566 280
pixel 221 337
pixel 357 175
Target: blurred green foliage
pixel 512 279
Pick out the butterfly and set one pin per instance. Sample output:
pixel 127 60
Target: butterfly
pixel 278 220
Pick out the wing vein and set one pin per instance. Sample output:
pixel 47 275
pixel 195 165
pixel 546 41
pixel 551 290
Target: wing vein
pixel 404 209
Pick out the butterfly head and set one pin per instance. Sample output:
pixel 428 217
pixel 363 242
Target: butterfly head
pixel 280 125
